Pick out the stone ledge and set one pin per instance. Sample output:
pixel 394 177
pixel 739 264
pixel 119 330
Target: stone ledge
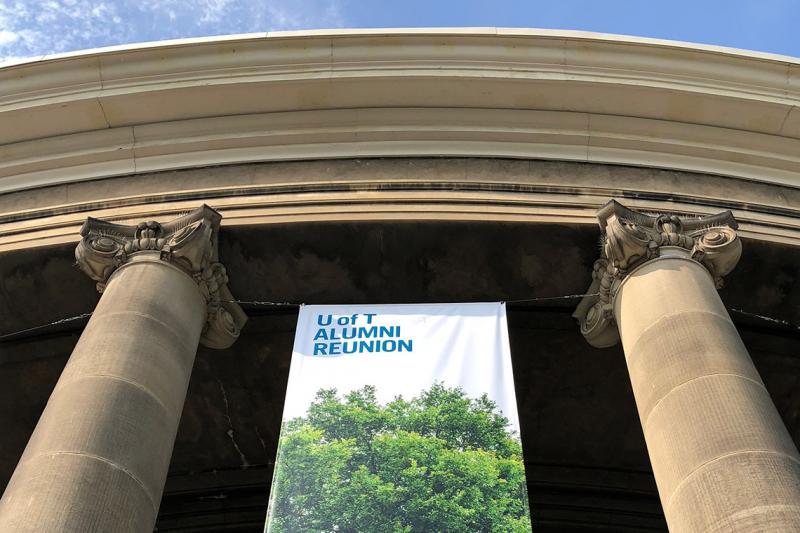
pixel 376 93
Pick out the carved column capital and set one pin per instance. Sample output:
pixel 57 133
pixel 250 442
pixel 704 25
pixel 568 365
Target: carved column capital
pixel 188 242
pixel 630 239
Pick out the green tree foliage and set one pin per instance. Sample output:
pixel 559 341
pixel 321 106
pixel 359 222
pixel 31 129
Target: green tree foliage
pixel 441 462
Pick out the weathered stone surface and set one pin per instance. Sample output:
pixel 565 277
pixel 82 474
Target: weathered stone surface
pixel 76 493
pixel 767 502
pixel 631 239
pixel 116 407
pixel 188 242
pixel 587 464
pixel 721 455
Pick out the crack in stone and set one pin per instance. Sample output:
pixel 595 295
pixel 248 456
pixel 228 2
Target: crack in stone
pixel 245 463
pixel 260 438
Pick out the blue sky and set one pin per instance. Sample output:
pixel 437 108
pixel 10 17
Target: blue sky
pixel 30 28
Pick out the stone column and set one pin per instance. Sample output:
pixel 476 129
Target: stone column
pixel 99 455
pixel 722 458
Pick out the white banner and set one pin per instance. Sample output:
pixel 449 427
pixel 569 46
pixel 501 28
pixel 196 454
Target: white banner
pixel 400 418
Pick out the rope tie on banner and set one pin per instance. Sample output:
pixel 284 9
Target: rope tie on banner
pixel 265 303
pixel 550 298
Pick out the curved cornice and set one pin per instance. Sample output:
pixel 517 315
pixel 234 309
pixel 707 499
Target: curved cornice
pixel 401 93
pixel 404 189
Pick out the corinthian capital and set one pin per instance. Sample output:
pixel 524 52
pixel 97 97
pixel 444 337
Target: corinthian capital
pixel 188 242
pixel 630 239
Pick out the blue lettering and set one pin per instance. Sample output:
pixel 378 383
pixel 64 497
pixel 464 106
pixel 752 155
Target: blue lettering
pixel 389 346
pixel 364 346
pixel 386 331
pixel 320 348
pixel 366 333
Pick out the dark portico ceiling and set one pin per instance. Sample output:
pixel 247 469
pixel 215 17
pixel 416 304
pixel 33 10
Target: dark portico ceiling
pixel 587 464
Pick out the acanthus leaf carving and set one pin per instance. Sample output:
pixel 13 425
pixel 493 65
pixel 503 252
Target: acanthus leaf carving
pixel 188 242
pixel 631 238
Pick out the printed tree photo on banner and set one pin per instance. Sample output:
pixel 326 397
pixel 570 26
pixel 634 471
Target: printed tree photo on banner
pixel 420 440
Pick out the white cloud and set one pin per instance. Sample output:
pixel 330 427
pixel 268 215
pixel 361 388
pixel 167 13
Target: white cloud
pixel 214 10
pixel 7 37
pixel 30 28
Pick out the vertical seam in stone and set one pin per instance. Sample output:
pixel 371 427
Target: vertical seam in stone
pixel 785 118
pixel 646 422
pixel 133 149
pixel 588 154
pixel 99 97
pixel 719 458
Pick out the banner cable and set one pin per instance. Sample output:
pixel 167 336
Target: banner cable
pixel 264 303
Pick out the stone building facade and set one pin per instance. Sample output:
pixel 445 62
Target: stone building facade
pixel 205 188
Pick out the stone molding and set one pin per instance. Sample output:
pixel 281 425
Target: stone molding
pixel 188 242
pixel 631 239
pixel 400 93
pixel 429 189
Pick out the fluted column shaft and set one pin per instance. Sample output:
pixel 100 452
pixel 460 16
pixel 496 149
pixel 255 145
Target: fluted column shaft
pixel 99 456
pixel 721 456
